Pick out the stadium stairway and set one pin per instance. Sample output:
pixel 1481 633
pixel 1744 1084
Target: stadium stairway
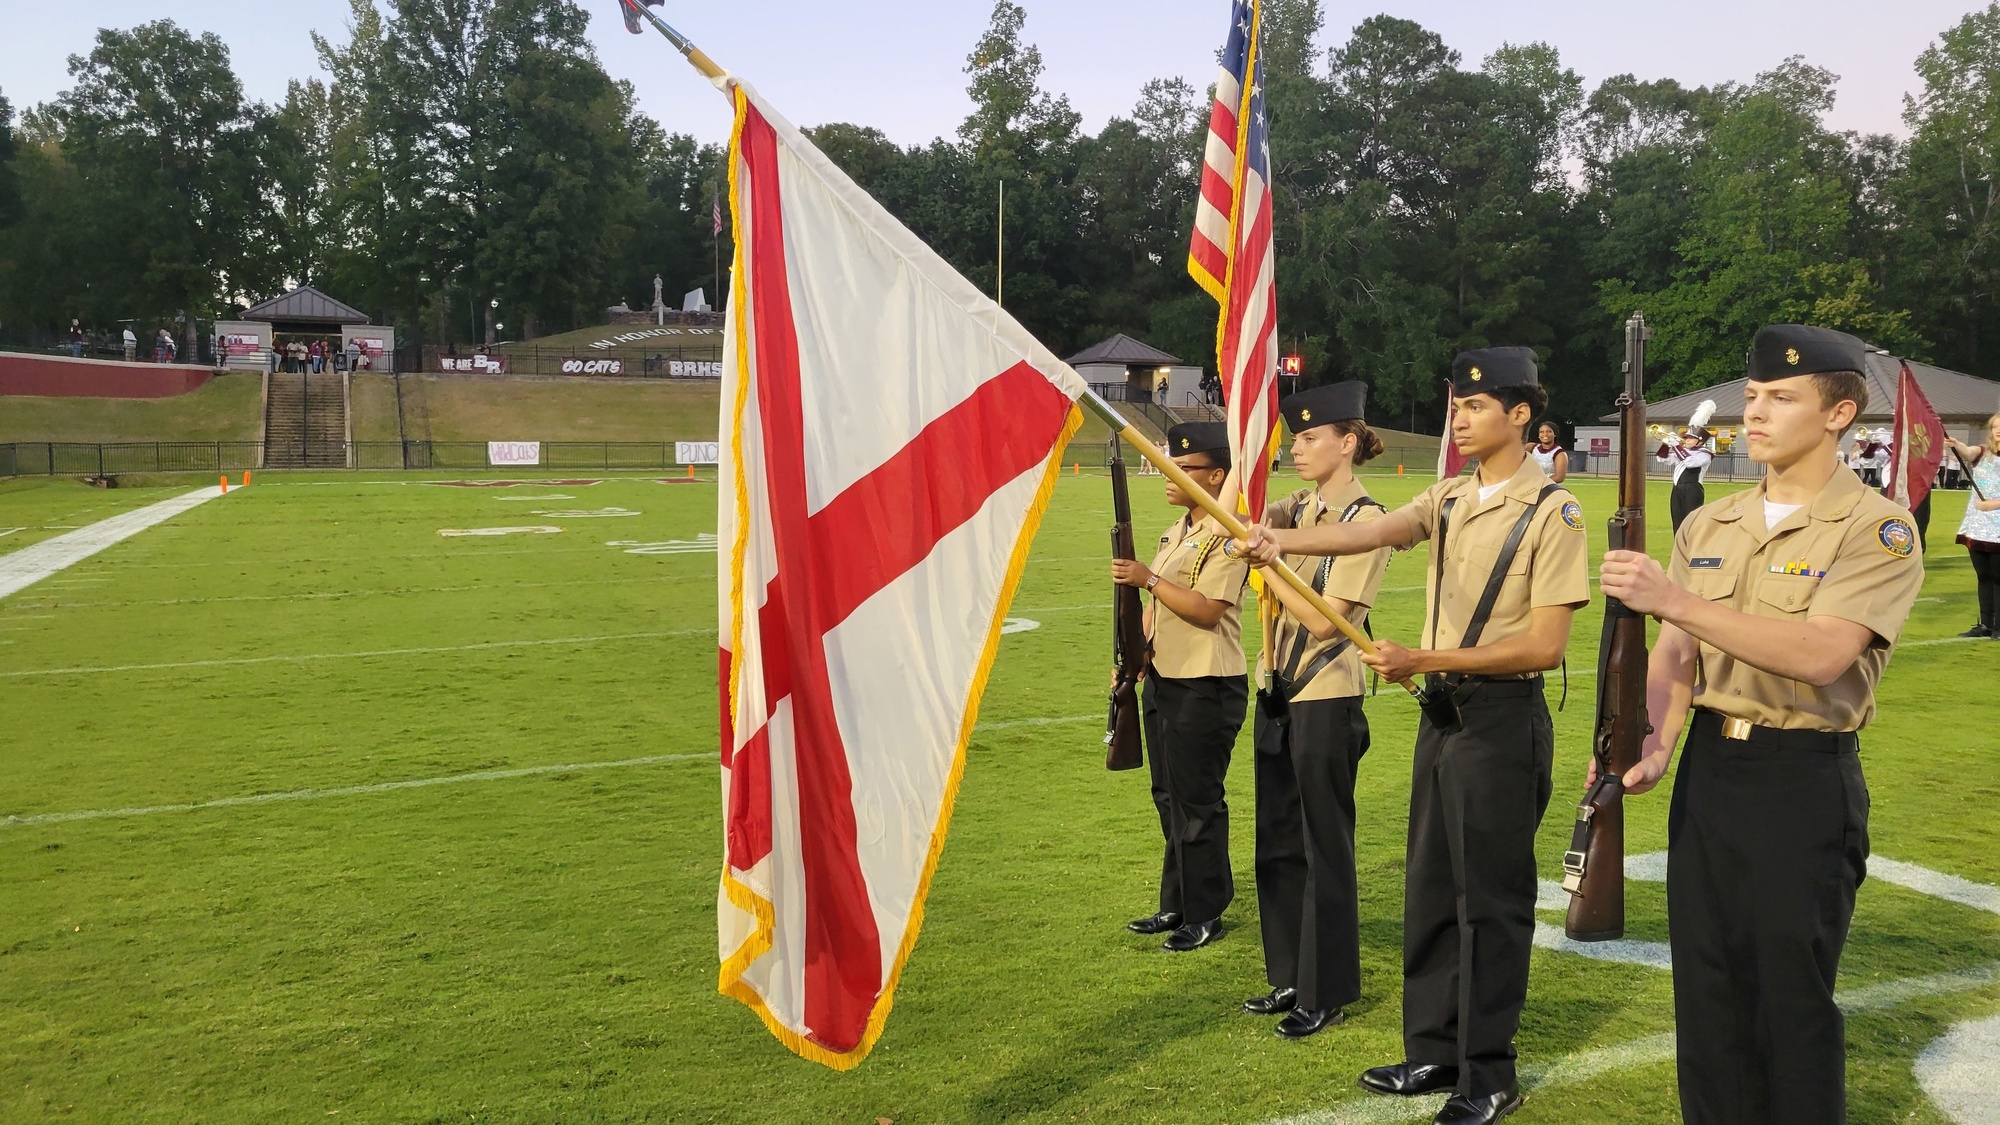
pixel 1197 412
pixel 305 422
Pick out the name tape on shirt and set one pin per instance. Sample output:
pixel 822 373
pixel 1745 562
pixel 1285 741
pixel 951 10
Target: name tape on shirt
pixel 1705 564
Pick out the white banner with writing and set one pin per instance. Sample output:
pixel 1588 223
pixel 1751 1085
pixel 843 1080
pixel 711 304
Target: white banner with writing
pixel 513 453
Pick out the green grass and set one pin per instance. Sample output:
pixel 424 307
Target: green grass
pixel 229 407
pixel 542 948
pixel 482 408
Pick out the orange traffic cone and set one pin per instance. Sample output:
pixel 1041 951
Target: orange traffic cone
pixel 690 472
pixel 225 483
pixel 246 478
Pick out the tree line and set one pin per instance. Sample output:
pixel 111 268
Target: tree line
pixel 461 152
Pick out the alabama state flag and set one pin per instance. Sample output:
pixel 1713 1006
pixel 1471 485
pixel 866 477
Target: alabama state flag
pixel 890 440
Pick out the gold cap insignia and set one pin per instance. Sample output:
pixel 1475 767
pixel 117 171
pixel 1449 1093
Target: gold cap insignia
pixel 1305 415
pixel 1476 376
pixel 1184 443
pixel 1792 356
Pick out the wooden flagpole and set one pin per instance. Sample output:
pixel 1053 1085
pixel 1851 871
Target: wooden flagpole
pixel 681 43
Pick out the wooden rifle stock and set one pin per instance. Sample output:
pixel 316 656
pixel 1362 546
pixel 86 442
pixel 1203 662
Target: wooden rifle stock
pixel 1123 749
pixel 1594 866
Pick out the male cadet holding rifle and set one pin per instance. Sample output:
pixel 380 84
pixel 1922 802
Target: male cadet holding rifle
pixel 1508 571
pixel 1776 622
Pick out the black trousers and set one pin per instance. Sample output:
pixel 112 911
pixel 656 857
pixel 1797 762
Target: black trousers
pixel 1765 847
pixel 1308 900
pixel 1986 572
pixel 1191 728
pixel 1476 799
pixel 1685 498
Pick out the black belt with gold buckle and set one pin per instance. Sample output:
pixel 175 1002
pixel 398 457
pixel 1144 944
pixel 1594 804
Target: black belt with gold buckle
pixel 1716 724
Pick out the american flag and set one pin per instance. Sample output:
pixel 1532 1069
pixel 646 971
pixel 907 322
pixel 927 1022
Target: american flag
pixel 1232 256
pixel 717 216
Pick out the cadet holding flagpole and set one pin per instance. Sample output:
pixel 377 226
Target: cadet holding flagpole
pixel 1311 731
pixel 1509 571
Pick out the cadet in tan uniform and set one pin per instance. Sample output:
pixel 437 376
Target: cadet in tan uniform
pixel 1508 572
pixel 1776 622
pixel 1311 731
pixel 1195 695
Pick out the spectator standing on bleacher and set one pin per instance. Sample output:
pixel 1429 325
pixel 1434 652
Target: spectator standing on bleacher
pixel 75 339
pixel 131 344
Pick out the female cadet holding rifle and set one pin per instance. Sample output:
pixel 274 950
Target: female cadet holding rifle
pixel 1311 731
pixel 1195 694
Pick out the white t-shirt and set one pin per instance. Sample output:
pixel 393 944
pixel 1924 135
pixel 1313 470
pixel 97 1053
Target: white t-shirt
pixel 1546 460
pixel 1486 492
pixel 1775 514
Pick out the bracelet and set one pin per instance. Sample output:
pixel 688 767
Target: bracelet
pixel 1152 581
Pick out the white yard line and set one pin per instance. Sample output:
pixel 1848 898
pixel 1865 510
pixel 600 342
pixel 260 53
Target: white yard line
pixel 333 595
pixel 1583 1066
pixel 1956 1072
pixel 1951 888
pixel 31 564
pixel 301 657
pixel 425 782
pixel 347 790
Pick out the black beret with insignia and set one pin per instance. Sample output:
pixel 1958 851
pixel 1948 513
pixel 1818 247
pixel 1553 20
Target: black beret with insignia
pixel 1486 369
pixel 1318 406
pixel 1782 351
pixel 1189 438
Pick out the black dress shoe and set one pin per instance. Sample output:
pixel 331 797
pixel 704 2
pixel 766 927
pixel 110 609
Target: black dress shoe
pixel 1155 923
pixel 1977 631
pixel 1273 1002
pixel 1307 1021
pixel 1194 935
pixel 1406 1079
pixel 1461 1110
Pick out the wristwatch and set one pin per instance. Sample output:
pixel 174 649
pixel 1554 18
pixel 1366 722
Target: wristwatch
pixel 1152 581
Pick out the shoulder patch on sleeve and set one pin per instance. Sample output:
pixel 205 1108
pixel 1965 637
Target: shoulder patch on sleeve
pixel 1572 514
pixel 1896 537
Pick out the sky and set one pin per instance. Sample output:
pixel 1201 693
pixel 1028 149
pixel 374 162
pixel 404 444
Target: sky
pixel 898 64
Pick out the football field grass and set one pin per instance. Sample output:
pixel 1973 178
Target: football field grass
pixel 310 812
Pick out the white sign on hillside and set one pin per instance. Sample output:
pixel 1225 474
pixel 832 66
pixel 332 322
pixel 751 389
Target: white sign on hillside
pixel 513 453
pixel 695 453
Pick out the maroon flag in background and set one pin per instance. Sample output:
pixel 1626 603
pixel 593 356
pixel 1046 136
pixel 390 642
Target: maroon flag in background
pixel 1450 461
pixel 1913 464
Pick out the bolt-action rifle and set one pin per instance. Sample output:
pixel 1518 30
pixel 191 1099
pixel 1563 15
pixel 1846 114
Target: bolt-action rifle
pixel 1594 866
pixel 1122 748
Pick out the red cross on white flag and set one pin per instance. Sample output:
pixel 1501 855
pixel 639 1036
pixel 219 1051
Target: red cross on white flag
pixel 890 440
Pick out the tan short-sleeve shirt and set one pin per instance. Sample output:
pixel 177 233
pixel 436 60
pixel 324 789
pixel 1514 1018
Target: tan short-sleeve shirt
pixel 1191 555
pixel 1355 579
pixel 1551 568
pixel 1849 554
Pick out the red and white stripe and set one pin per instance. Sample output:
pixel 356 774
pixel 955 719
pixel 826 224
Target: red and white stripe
pixel 1208 249
pixel 890 441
